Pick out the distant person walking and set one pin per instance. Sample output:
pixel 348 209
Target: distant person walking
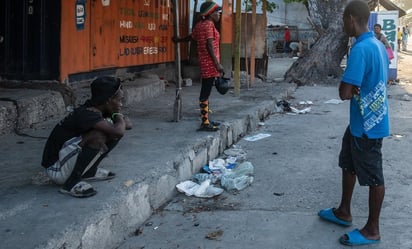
pixel 207 38
pixel 286 40
pixel 405 35
pixel 399 37
pixel 364 83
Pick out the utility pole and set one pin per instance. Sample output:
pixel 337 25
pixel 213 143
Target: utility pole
pixel 253 44
pixel 237 46
pixel 177 107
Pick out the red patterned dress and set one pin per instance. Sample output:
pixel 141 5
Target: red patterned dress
pixel 203 31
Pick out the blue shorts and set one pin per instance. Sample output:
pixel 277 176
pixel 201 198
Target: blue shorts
pixel 362 157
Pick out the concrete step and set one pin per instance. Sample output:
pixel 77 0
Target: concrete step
pixel 22 108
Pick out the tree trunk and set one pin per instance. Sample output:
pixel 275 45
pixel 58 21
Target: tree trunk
pixel 321 64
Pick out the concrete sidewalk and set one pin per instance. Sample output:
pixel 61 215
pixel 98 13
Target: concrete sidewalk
pixel 149 161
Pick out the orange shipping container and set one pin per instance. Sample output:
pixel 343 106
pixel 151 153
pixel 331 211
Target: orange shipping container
pixel 103 34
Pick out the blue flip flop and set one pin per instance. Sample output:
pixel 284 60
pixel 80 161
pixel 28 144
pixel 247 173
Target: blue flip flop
pixel 328 215
pixel 355 238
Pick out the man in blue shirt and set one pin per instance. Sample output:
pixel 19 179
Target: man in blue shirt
pixel 364 83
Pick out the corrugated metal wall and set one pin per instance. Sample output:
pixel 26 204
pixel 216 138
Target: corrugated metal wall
pixel 29 39
pixel 99 34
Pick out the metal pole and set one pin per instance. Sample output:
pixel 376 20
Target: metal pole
pixel 237 46
pixel 253 44
pixel 177 107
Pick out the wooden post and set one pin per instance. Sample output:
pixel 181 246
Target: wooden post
pixel 177 107
pixel 237 46
pixel 226 37
pixel 253 44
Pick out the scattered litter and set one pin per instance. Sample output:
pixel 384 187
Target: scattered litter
pixel 261 123
pixel 303 111
pixel 301 108
pixel 187 187
pixel 406 97
pixel 237 152
pixel 206 169
pixel 334 101
pixel 278 194
pixel 397 135
pixel 201 177
pixel 238 178
pixel 203 190
pixel 283 105
pixel 308 102
pixel 214 235
pixel 216 164
pixel 232 173
pixel 257 137
pixel 128 183
pixel 230 162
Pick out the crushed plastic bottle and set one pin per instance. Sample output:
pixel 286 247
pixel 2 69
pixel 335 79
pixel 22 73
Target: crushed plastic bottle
pixel 201 177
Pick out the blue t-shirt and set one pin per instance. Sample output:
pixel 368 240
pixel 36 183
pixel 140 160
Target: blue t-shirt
pixel 367 68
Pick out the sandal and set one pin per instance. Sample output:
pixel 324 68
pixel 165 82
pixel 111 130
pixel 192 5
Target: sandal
pixel 208 127
pixel 101 175
pixel 80 190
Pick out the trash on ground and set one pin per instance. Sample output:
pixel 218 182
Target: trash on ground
pixel 231 173
pixel 238 178
pixel 257 137
pixel 237 152
pixel 214 235
pixel 128 183
pixel 283 106
pixel 201 177
pixel 204 190
pixel 406 97
pixel 302 111
pixel 301 108
pixel 334 101
pixel 396 136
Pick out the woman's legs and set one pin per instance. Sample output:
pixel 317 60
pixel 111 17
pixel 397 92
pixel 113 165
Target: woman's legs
pixel 205 91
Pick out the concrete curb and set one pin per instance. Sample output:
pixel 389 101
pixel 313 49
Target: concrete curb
pixel 135 203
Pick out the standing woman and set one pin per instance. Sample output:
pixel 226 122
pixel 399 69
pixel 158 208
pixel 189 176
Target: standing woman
pixel 207 38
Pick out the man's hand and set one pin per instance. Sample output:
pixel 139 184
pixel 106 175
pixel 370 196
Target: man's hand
pixel 346 91
pixel 128 123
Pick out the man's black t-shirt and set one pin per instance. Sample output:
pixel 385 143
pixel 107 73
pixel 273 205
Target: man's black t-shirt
pixel 80 121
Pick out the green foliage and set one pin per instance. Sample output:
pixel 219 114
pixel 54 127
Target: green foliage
pixel 270 7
